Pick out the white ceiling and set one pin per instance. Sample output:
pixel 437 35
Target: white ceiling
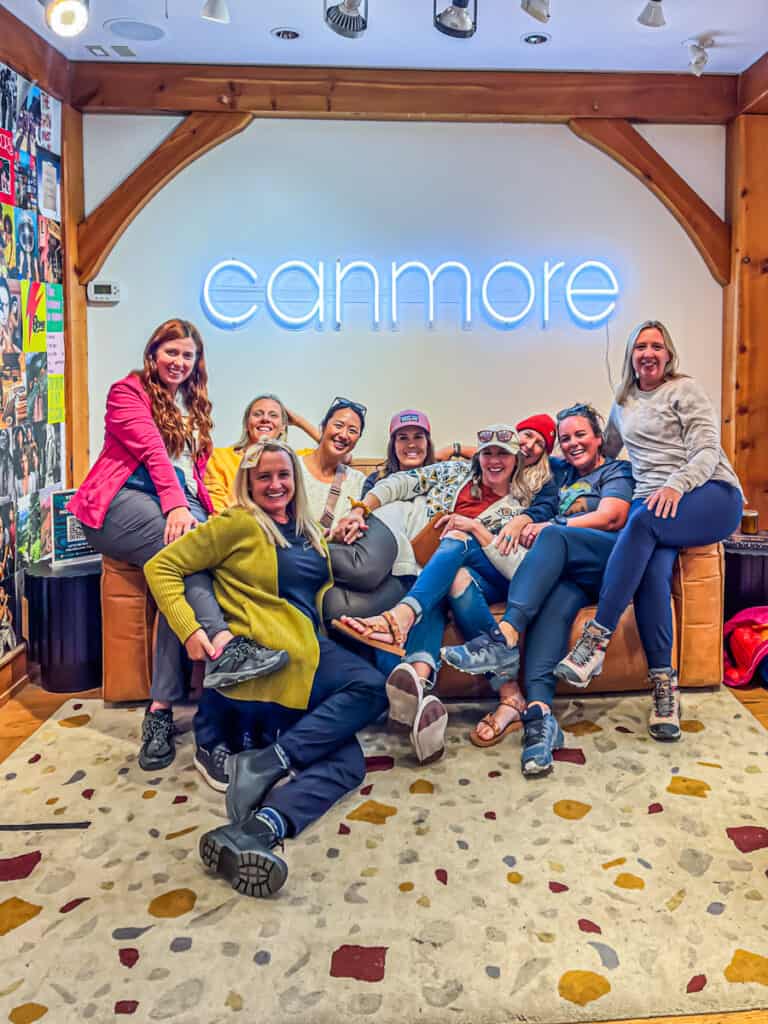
pixel 588 35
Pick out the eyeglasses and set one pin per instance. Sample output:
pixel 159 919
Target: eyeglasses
pixel 580 409
pixel 503 436
pixel 347 403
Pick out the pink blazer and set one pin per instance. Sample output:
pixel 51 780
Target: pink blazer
pixel 131 437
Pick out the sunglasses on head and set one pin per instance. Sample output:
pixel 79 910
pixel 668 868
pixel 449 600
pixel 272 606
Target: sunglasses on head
pixel 580 409
pixel 347 403
pixel 503 436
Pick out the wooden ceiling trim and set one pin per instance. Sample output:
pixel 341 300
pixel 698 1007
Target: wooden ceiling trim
pixel 26 52
pixel 753 88
pixel 708 232
pixel 392 94
pixel 198 134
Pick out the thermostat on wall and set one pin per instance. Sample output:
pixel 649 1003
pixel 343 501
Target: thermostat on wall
pixel 103 293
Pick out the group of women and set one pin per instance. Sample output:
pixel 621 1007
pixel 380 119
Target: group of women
pixel 252 551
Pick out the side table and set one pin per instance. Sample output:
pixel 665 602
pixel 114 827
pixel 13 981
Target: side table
pixel 746 571
pixel 65 624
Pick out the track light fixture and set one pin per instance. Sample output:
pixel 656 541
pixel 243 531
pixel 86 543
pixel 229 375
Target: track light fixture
pixel 538 9
pixel 455 20
pixel 216 10
pixel 66 17
pixel 346 19
pixel 652 15
pixel 697 52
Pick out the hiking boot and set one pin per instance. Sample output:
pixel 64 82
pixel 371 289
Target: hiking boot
pixel 664 719
pixel 252 773
pixel 488 652
pixel 242 854
pixel 212 765
pixel 242 659
pixel 586 659
pixel 542 737
pixel 158 748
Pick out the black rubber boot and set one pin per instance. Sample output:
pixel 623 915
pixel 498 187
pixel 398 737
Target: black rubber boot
pixel 158 748
pixel 242 853
pixel 252 773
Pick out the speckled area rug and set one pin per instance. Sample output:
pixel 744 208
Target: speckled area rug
pixel 633 881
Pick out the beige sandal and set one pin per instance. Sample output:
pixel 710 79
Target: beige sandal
pixel 518 704
pixel 394 646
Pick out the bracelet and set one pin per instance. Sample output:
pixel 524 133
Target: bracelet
pixel 457 449
pixel 361 505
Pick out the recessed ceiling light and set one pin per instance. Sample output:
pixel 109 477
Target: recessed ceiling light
pixel 535 38
pixel 138 31
pixel 287 34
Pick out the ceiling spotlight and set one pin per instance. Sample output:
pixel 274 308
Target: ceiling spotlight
pixel 456 20
pixel 535 38
pixel 216 10
pixel 66 17
pixel 538 9
pixel 652 15
pixel 697 52
pixel 345 18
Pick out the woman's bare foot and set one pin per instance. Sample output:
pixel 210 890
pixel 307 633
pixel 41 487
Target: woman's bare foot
pixel 389 627
pixel 505 713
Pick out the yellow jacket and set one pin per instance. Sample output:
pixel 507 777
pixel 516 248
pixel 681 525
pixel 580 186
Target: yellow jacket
pixel 220 474
pixel 244 567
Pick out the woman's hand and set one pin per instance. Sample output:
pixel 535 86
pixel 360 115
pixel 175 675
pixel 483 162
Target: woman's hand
pixel 198 646
pixel 664 502
pixel 352 526
pixel 455 522
pixel 178 522
pixel 530 532
pixel 508 538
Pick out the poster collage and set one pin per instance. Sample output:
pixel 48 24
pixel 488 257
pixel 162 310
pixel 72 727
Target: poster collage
pixel 31 334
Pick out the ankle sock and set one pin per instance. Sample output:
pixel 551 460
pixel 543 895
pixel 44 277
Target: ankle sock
pixel 273 820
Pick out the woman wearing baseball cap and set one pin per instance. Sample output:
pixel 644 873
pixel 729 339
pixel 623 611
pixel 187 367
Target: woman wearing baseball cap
pixel 409 446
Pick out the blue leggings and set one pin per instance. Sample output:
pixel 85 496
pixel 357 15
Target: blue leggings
pixel 641 564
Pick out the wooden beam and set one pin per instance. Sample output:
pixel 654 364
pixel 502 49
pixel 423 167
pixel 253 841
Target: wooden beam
pixel 753 88
pixel 708 232
pixel 745 310
pixel 75 312
pixel 391 94
pixel 26 52
pixel 196 135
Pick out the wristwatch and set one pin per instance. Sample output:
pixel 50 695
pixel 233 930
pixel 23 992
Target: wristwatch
pixel 560 520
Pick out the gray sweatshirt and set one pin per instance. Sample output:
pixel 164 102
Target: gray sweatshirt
pixel 672 437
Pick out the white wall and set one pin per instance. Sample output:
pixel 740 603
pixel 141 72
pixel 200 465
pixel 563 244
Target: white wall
pixel 477 193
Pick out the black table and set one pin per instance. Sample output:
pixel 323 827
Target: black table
pixel 746 571
pixel 65 624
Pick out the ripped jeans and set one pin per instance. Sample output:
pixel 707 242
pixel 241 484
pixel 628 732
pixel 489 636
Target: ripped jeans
pixel 429 597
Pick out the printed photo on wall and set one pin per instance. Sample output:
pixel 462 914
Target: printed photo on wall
pixel 49 134
pixel 33 304
pixel 26 469
pixel 48 184
pixel 11 331
pixel 50 254
pixel 37 387
pixel 48 441
pixel 7 168
pixel 7 240
pixel 8 90
pixel 46 526
pixel 7 485
pixel 14 393
pixel 27 260
pixel 28 115
pixel 25 182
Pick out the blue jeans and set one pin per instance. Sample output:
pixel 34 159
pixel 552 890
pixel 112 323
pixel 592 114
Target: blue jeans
pixel 641 564
pixel 347 694
pixel 427 597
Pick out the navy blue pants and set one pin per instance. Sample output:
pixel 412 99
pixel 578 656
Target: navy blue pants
pixel 641 564
pixel 326 759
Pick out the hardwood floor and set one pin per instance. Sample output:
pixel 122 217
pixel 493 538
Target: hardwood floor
pixel 29 708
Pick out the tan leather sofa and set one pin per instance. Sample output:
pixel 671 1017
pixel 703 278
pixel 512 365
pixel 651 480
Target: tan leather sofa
pixel 128 615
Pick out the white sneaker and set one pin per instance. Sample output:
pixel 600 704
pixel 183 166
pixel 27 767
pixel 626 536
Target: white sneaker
pixel 586 659
pixel 428 732
pixel 405 691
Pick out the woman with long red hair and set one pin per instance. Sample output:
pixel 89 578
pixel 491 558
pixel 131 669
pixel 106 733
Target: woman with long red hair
pixel 146 490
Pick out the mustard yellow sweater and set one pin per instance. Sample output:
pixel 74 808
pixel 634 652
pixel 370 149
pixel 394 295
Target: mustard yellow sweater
pixel 244 566
pixel 220 474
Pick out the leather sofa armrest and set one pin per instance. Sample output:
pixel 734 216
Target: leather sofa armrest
pixel 128 619
pixel 697 591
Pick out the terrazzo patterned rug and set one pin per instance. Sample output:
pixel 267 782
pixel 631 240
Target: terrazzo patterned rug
pixel 633 881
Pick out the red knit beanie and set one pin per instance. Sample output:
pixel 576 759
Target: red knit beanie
pixel 542 424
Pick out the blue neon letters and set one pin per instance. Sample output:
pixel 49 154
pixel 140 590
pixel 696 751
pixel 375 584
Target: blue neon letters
pixel 589 292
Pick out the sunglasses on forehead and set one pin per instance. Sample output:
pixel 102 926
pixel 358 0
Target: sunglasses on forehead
pixel 347 403
pixel 580 409
pixel 503 436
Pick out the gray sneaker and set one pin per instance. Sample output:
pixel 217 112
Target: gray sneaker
pixel 664 719
pixel 488 652
pixel 242 659
pixel 586 659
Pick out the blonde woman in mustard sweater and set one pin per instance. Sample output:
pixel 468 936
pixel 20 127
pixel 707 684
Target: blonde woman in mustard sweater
pixel 271 569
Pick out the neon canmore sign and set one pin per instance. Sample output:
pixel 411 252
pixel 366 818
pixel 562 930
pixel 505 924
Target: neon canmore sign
pixel 588 290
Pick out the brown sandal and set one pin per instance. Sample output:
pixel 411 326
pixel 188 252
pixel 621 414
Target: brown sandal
pixel 493 725
pixel 394 647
